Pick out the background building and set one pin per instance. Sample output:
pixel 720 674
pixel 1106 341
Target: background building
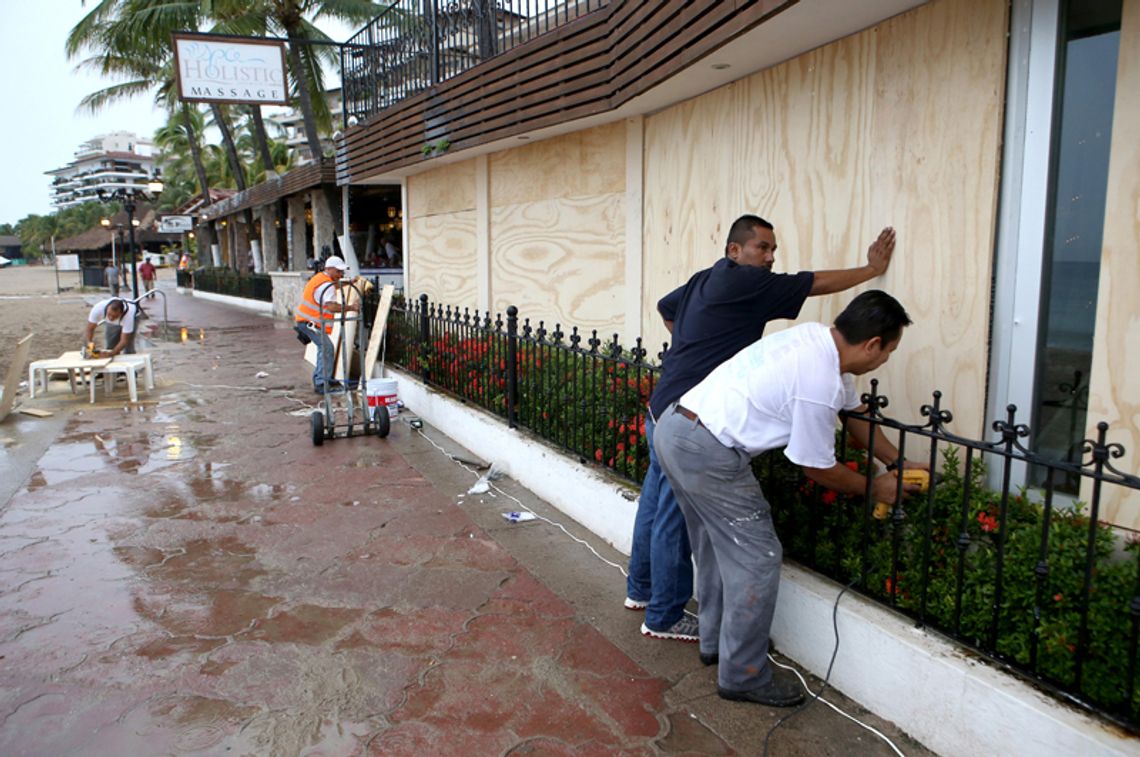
pixel 111 161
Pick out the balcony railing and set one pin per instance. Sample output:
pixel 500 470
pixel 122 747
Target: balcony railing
pixel 415 44
pixel 1039 585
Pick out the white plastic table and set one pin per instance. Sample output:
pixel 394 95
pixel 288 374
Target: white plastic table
pixel 76 366
pixel 69 362
pixel 129 366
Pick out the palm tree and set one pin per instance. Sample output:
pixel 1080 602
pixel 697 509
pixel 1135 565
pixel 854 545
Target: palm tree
pixel 308 45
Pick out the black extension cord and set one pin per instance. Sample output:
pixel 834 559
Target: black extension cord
pixel 826 678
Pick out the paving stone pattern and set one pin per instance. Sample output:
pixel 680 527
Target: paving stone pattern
pixel 191 575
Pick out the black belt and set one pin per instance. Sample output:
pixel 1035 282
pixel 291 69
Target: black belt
pixel 687 413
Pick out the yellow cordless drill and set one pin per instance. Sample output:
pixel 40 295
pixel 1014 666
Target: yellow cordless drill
pixel 915 476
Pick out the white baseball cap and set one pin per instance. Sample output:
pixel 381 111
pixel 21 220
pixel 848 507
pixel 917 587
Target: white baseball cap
pixel 337 263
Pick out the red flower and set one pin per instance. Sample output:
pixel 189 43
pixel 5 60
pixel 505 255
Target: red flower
pixel 621 447
pixel 633 439
pixel 828 497
pixel 598 455
pixel 852 465
pixel 989 523
pixel 1058 597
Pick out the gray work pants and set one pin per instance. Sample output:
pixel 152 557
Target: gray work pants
pixel 735 545
pixel 112 332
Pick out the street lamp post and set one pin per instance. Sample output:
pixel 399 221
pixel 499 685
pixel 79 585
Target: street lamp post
pixel 129 197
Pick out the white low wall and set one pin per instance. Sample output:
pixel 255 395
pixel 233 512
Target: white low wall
pixel 952 703
pixel 239 302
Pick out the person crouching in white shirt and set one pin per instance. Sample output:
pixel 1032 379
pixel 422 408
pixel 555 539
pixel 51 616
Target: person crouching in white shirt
pixel 118 317
pixel 785 390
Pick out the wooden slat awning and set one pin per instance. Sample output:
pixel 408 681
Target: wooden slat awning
pixel 297 180
pixel 585 67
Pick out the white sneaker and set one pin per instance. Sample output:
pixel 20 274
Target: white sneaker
pixel 685 629
pixel 635 604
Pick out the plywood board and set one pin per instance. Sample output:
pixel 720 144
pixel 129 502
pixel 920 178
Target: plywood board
pixel 898 125
pixel 583 164
pixel 16 370
pixel 693 193
pixel 561 261
pixel 1114 391
pixel 379 323
pixel 442 256
pixel 447 189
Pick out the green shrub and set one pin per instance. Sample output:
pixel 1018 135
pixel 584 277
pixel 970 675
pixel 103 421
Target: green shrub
pixel 958 546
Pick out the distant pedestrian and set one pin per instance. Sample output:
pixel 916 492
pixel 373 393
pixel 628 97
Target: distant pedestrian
pixel 111 279
pixel 149 274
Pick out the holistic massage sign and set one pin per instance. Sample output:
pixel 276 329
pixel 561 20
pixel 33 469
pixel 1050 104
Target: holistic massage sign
pixel 214 68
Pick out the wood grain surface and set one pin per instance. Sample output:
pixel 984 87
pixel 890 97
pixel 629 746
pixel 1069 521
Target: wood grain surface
pixel 1114 391
pixel 561 260
pixel 441 253
pixel 898 125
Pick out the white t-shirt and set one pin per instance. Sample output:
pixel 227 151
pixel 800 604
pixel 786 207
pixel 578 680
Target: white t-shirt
pixel 99 312
pixel 785 389
pixel 325 293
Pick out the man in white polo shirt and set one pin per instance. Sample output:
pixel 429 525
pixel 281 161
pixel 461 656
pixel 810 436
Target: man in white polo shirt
pixel 785 390
pixel 118 317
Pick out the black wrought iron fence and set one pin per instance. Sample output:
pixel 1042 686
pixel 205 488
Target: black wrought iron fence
pixel 1027 577
pixel 414 44
pixel 254 286
pixel 577 391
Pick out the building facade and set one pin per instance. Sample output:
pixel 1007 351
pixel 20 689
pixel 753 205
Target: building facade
pixel 108 162
pixel 587 172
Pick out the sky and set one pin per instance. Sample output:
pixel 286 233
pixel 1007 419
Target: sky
pixel 40 90
pixel 42 128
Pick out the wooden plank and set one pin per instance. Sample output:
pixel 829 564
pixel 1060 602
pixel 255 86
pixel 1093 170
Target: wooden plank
pixel 379 323
pixel 16 370
pixel 35 413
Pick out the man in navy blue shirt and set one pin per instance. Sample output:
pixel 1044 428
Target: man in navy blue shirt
pixel 718 312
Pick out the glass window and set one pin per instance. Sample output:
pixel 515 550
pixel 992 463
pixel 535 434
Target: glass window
pixel 1087 60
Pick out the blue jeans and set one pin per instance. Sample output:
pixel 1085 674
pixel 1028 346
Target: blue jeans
pixel 660 563
pixel 324 369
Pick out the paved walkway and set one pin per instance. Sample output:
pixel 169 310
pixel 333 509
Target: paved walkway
pixel 191 575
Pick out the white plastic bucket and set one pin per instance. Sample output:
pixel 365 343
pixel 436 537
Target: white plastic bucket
pixel 382 393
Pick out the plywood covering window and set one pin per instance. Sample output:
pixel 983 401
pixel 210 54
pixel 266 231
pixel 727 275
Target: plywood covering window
pixel 1082 135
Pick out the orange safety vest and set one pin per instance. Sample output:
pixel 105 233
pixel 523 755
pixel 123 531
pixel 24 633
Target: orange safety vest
pixel 309 310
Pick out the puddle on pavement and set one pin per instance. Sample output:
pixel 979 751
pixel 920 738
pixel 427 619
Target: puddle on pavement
pixel 81 453
pixel 202 722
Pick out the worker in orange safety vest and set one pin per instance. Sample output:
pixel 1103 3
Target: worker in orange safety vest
pixel 320 298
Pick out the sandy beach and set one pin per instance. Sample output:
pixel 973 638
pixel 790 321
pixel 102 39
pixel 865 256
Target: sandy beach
pixel 32 305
